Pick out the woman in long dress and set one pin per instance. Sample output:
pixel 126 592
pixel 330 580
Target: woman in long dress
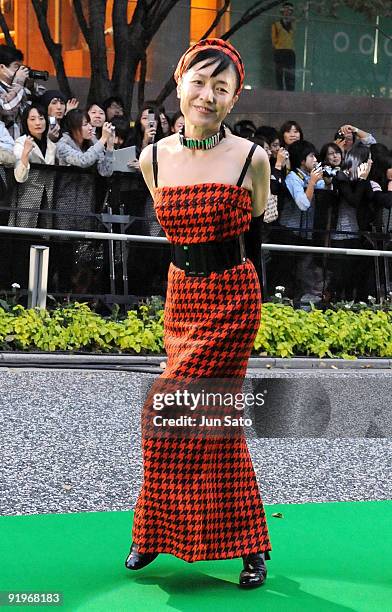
pixel 200 498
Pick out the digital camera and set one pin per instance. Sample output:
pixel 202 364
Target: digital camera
pixel 38 75
pixel 329 172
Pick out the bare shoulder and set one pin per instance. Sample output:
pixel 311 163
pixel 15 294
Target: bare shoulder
pixel 145 158
pixel 168 144
pixel 243 146
pixel 260 158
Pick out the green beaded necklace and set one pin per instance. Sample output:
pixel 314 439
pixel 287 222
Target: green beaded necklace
pixel 206 143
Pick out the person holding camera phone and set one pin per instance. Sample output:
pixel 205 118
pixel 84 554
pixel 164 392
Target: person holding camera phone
pixel 57 107
pixel 14 95
pixel 353 215
pixel 54 102
pixel 147 130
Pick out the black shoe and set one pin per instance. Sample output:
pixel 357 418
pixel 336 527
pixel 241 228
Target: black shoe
pixel 136 560
pixel 254 572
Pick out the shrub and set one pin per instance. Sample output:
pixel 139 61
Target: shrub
pixel 284 331
pixel 77 327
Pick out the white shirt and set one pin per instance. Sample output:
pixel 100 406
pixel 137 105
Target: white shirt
pixel 21 171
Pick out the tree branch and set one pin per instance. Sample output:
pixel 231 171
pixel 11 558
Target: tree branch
pixel 217 19
pixel 55 49
pixel 248 16
pixel 142 81
pixel 44 6
pixel 252 8
pixel 383 33
pixel 157 16
pixel 77 5
pixel 6 31
pixel 139 14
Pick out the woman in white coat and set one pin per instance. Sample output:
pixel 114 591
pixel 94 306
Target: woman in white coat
pixel 34 188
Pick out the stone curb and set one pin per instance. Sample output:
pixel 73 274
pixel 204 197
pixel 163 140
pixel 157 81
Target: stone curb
pixel 8 359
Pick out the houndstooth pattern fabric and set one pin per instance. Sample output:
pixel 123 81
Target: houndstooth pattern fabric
pixel 200 499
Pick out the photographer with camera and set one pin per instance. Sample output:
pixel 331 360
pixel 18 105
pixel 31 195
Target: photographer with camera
pixel 79 147
pixel 331 158
pixel 14 95
pixel 79 195
pixel 348 135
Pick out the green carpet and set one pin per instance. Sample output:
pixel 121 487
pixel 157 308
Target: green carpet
pixel 326 557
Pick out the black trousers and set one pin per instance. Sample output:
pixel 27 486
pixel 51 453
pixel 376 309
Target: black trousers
pixel 302 274
pixel 351 278
pixel 285 69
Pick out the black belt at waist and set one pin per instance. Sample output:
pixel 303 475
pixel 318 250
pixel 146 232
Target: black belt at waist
pixel 206 257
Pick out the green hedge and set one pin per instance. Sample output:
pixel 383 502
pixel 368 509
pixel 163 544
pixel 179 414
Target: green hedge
pixel 284 331
pixel 76 327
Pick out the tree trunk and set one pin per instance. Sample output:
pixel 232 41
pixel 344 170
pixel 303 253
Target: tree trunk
pixel 129 47
pixel 55 49
pixel 125 89
pixel 132 40
pixel 120 42
pixel 100 85
pixel 6 32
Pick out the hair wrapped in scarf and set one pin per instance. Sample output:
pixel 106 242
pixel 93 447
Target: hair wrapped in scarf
pixel 212 43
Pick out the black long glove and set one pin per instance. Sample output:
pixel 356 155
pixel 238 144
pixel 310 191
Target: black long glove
pixel 253 243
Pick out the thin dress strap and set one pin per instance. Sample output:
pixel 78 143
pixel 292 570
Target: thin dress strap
pixel 246 165
pixel 155 164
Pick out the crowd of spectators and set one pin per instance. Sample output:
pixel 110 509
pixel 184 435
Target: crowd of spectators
pixel 334 197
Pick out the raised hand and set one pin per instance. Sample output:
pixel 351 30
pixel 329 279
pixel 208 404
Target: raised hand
pixel 71 105
pixel 27 148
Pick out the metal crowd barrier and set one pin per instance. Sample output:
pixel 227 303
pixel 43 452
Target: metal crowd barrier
pixel 56 202
pixel 75 213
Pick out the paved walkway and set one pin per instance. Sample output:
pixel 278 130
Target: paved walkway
pixel 71 440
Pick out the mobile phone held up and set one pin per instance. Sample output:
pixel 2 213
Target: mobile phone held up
pixel 151 123
pixel 151 119
pixel 52 121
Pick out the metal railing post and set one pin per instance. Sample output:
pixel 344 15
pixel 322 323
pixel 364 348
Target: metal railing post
pixel 38 276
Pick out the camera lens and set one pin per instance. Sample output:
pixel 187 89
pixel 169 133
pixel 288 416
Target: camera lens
pixel 41 75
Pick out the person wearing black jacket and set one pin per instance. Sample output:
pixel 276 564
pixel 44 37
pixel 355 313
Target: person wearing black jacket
pixel 354 214
pixel 381 181
pixel 260 231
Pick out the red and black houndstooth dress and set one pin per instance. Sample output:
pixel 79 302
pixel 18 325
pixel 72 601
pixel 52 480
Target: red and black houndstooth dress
pixel 200 499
